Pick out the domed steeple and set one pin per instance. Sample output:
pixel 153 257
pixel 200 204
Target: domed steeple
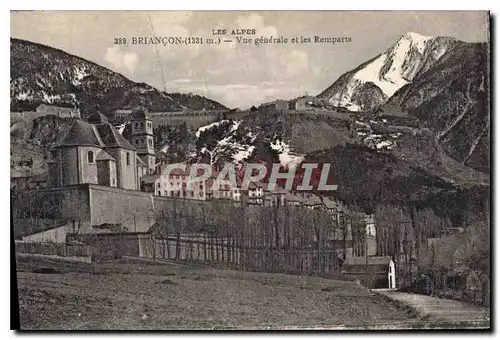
pixel 140 113
pixel 142 136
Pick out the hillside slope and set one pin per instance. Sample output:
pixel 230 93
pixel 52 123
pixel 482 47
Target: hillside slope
pixel 453 101
pixel 42 74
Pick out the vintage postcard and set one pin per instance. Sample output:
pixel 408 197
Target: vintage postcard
pixel 250 170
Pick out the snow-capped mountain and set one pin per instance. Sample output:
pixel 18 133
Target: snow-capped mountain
pixel 375 81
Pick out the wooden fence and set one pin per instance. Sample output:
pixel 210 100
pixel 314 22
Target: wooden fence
pixel 243 254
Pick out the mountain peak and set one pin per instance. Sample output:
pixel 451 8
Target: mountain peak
pixel 381 77
pixel 415 36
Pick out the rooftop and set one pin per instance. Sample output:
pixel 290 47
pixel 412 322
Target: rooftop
pixel 104 156
pixel 100 135
pixel 97 118
pixel 149 178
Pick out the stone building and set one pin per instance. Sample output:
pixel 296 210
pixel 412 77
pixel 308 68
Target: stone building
pixel 304 103
pixel 274 106
pixel 62 112
pixel 94 152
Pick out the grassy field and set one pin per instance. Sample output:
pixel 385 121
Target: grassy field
pixel 56 295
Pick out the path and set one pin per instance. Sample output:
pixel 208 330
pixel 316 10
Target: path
pixel 441 309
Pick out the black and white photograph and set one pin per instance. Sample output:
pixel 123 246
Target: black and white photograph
pixel 250 170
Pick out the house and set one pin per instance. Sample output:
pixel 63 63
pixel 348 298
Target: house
pixel 274 195
pixel 175 184
pixel 304 103
pixel 151 183
pixel 293 200
pixel 94 152
pixel 222 188
pixel 374 271
pixel 274 106
pixel 311 201
pixel 121 113
pixel 331 206
pixel 255 193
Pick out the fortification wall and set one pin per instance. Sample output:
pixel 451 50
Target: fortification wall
pixel 133 209
pixel 192 122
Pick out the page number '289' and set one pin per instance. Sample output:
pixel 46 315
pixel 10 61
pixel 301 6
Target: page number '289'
pixel 120 41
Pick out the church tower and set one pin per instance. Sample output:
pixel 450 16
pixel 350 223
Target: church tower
pixel 142 137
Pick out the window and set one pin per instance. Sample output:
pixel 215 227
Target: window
pixel 150 142
pixel 136 142
pixel 136 125
pixel 142 125
pixel 90 157
pixel 142 141
pixel 128 158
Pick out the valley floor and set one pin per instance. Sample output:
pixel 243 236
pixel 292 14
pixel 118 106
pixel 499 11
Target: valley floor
pixel 55 295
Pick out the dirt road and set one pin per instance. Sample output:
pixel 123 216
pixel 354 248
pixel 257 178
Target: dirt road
pixel 433 308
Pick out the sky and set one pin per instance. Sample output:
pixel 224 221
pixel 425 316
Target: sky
pixel 238 75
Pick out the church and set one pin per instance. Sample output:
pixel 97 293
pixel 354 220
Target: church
pixel 95 152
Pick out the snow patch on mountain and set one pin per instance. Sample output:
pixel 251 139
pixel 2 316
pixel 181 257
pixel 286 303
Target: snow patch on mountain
pixel 79 74
pixel 121 128
pixel 286 157
pixel 243 154
pixel 208 127
pixel 376 140
pixel 371 73
pixel 50 98
pixel 236 143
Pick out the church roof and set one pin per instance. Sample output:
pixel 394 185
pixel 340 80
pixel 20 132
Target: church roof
pixel 140 161
pixel 97 118
pixel 102 135
pixel 112 138
pixel 104 156
pixel 140 113
pixel 80 134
